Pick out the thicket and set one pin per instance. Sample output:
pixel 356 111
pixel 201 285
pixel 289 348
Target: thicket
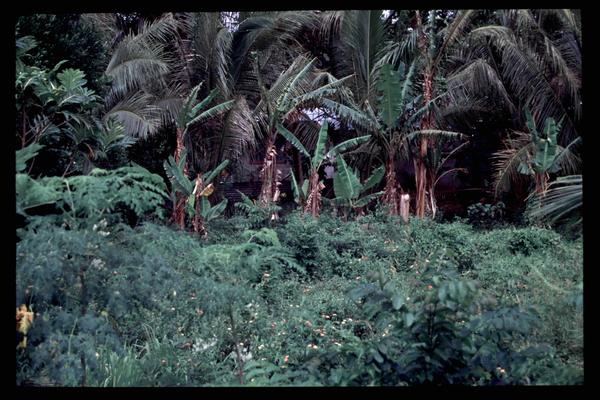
pixel 302 302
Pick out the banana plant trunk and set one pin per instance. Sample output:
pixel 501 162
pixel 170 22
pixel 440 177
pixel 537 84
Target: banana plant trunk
pixel 178 215
pixel 420 164
pixel 198 221
pixel 269 193
pixel 432 201
pixel 391 196
pixel 313 203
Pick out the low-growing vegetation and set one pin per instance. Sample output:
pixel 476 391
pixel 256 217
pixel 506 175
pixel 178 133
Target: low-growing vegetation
pixel 304 302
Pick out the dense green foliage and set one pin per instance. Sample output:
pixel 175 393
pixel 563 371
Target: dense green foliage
pixel 322 302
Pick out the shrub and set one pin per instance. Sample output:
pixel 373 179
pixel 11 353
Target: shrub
pixel 486 216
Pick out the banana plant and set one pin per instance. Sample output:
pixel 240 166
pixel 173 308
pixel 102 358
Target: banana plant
pixel 348 189
pixel 309 193
pixel 195 192
pixel 302 84
pixel 545 149
pixel 535 154
pixel 189 114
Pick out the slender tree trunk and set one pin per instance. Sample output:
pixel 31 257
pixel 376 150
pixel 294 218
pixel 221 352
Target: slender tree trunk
pixel 404 206
pixel 179 206
pixel 270 177
pixel 391 197
pixel 313 203
pixel 420 165
pixel 198 221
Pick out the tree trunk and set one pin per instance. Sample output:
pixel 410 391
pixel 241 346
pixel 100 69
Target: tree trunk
pixel 313 203
pixel 404 206
pixel 179 206
pixel 198 221
pixel 270 177
pixel 420 165
pixel 391 197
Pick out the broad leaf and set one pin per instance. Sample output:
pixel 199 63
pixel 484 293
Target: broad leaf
pixel 390 101
pixel 209 177
pixel 363 201
pixel 340 148
pixel 374 179
pixel 25 154
pixel 290 137
pixel 346 184
pixel 320 149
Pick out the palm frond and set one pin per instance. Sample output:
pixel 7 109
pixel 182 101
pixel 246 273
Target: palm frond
pixel 354 117
pixel 237 136
pixel 524 72
pixel 564 196
pixel 567 158
pixel 137 115
pixel 132 66
pixel 506 162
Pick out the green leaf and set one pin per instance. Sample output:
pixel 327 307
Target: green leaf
pixel 363 201
pixel 290 137
pixel 25 154
pixel 305 188
pixel 390 101
pixel 546 148
pixel 374 179
pixel 200 106
pixel 190 205
pixel 320 148
pixel 398 301
pixel 298 196
pixel 212 112
pixel 409 319
pixel 175 174
pixel 208 178
pixel 377 356
pixel 349 144
pixel 361 291
pixel 345 183
pixel 215 211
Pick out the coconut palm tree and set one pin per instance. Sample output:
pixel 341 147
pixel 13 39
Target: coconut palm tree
pixel 367 47
pixel 430 44
pixel 527 59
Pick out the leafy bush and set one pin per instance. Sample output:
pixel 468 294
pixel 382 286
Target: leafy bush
pixel 89 199
pixel 485 216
